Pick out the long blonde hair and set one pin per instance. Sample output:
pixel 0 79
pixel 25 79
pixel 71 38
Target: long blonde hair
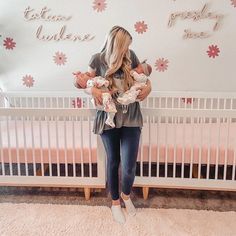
pixel 116 55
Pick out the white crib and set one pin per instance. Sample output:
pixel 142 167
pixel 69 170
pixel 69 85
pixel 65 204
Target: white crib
pixel 188 141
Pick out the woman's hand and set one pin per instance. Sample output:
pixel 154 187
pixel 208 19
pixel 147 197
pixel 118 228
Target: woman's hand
pixel 97 95
pixel 145 90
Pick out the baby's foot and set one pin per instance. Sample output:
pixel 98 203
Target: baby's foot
pixel 125 100
pixel 110 123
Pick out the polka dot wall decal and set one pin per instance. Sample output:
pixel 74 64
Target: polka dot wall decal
pixel 60 58
pixel 77 103
pixel 213 51
pixel 99 5
pixel 140 27
pixel 233 2
pixel 28 81
pixel 161 64
pixel 9 43
pixel 188 100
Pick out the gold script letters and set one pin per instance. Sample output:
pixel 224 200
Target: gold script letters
pixel 31 15
pixel 196 16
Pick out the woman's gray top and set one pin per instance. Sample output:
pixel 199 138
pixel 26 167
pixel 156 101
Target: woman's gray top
pixel 127 115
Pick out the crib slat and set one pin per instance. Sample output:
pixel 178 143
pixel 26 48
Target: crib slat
pixel 234 162
pixel 208 149
pixel 21 104
pixel 90 149
pixel 158 147
pixel 166 147
pixel 33 148
pixel 81 145
pixel 57 144
pixel 217 148
pixel 17 146
pixel 226 152
pixel 65 142
pixel 25 153
pixel 191 154
pixel 41 148
pixel 49 145
pixel 202 119
pixel 183 151
pixel 174 169
pixel 73 140
pixel 1 149
pixel 149 144
pixel 9 146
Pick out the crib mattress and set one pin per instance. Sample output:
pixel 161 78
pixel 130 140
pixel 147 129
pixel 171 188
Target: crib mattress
pixel 156 141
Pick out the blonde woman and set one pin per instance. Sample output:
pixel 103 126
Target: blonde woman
pixel 121 142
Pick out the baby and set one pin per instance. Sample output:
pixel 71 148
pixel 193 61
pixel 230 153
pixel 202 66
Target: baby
pixel 85 80
pixel 140 75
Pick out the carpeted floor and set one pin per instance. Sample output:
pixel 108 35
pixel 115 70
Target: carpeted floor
pixel 58 219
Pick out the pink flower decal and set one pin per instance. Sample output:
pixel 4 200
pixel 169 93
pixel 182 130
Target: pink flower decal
pixel 213 51
pixel 60 58
pixel 161 64
pixel 99 5
pixel 140 27
pixel 28 81
pixel 188 100
pixel 9 43
pixel 233 2
pixel 77 103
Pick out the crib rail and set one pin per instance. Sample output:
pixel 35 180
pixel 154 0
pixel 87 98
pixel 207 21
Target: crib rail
pixel 40 163
pixel 157 99
pixel 160 166
pixel 188 140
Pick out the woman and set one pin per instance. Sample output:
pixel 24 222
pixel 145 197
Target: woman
pixel 121 143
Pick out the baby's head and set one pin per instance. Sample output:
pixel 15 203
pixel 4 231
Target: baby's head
pixel 81 79
pixel 144 68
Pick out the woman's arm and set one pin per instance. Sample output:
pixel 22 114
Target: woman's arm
pixel 145 90
pixel 95 92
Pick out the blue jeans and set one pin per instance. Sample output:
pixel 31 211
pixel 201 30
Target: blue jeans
pixel 121 144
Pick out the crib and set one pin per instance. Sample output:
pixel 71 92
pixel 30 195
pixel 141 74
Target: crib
pixel 188 141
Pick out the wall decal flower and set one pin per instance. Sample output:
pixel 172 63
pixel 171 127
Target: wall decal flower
pixel 161 64
pixel 77 103
pixel 213 51
pixel 99 5
pixel 233 2
pixel 60 58
pixel 9 43
pixel 28 81
pixel 188 100
pixel 140 27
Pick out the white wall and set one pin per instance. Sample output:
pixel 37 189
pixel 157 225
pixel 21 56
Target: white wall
pixel 189 68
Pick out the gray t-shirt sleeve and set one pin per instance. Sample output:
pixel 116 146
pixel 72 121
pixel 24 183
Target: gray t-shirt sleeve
pixel 94 63
pixel 134 59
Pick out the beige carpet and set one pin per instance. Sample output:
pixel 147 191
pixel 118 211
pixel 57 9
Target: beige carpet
pixel 54 219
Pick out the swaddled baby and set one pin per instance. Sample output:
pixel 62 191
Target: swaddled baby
pixel 140 75
pixel 85 80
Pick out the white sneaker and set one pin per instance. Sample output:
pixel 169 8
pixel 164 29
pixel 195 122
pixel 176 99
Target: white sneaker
pixel 131 210
pixel 117 213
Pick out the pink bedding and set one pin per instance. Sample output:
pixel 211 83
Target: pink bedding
pixel 165 135
pixel 157 139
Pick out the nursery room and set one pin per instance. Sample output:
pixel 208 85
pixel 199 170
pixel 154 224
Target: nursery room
pixel 117 117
